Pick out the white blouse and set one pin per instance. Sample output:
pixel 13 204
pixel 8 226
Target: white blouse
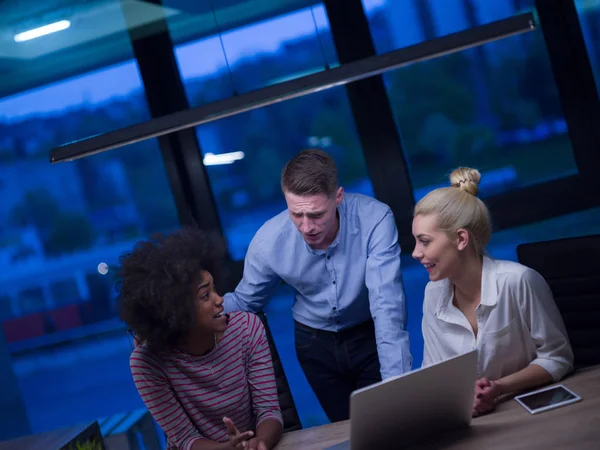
pixel 518 323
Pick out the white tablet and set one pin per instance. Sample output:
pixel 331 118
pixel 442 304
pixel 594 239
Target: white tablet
pixel 547 398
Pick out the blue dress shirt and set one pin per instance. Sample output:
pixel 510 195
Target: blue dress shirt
pixel 356 278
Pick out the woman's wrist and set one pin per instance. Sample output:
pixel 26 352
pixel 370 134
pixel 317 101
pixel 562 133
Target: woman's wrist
pixel 269 432
pixel 501 388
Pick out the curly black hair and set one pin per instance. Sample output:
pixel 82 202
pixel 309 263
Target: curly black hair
pixel 157 281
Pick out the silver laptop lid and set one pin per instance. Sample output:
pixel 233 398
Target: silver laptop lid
pixel 407 409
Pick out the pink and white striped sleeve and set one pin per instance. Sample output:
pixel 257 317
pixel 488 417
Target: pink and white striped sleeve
pixel 261 377
pixel 159 397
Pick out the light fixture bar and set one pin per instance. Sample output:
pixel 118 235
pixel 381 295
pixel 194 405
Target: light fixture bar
pixel 42 31
pixel 346 73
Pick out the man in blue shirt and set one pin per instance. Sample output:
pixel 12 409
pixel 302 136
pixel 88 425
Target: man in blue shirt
pixel 340 253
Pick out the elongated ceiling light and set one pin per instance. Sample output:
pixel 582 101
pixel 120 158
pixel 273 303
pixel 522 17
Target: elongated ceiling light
pixel 42 31
pixel 309 84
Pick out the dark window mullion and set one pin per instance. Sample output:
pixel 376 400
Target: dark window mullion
pixel 372 113
pixel 575 82
pixel 165 93
pixel 541 202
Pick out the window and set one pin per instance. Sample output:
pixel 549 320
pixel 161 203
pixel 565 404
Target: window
pixel 503 244
pixel 84 43
pixel 494 107
pixel 244 167
pixel 64 227
pixel 64 246
pixel 396 24
pixel 589 17
pixel 291 43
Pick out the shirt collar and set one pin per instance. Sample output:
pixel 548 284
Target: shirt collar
pixel 489 290
pixel 489 287
pixel 445 301
pixel 341 211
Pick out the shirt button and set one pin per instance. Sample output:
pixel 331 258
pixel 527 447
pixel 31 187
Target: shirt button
pixel 333 281
pixel 328 257
pixel 334 308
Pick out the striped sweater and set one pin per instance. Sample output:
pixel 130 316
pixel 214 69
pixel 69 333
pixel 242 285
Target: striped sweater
pixel 189 395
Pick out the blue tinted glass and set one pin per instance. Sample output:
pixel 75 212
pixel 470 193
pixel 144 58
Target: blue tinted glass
pixel 495 108
pixel 503 244
pixel 27 118
pixel 248 53
pixel 400 23
pixel 589 17
pixel 245 166
pixel 75 38
pixel 63 229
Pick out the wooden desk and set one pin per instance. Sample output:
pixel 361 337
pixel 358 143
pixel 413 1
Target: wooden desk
pixel 575 426
pixel 55 440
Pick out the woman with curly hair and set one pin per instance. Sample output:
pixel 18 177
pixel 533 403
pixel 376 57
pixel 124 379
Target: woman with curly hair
pixel 206 377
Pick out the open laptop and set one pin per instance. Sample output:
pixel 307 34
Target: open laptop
pixel 405 410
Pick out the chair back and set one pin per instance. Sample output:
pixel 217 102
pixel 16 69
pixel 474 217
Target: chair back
pixel 571 268
pixel 291 420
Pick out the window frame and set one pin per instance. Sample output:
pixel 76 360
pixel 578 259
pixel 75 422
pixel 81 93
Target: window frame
pixel 380 139
pixel 561 29
pixel 181 151
pixel 572 70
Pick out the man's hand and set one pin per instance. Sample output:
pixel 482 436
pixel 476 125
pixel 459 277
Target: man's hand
pixel 256 444
pixel 237 440
pixel 486 392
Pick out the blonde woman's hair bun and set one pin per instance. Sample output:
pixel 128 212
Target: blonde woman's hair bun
pixel 466 179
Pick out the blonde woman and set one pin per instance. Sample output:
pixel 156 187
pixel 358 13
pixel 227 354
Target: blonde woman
pixel 501 308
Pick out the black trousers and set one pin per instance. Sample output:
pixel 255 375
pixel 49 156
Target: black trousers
pixel 337 363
